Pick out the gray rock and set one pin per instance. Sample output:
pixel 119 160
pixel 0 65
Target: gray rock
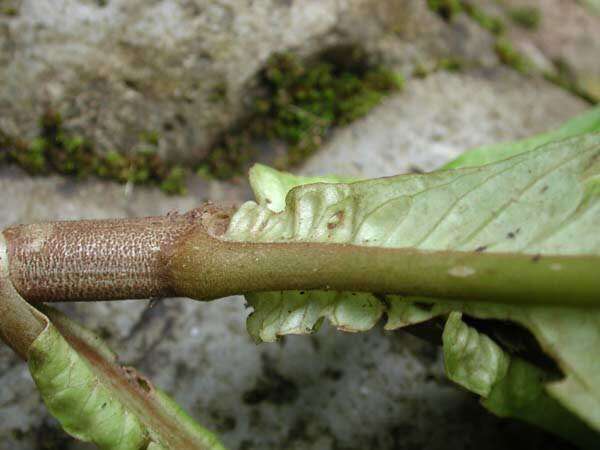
pixel 184 69
pixel 439 117
pixel 329 390
pixel 568 33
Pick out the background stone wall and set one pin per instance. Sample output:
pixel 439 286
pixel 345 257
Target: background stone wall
pixel 185 70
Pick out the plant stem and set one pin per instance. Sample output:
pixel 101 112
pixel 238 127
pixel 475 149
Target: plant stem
pixel 182 255
pixel 20 323
pixel 204 267
pixel 97 259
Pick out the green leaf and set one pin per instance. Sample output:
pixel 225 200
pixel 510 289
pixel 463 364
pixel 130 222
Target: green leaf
pixel 298 312
pixel 510 386
pixel 537 202
pixel 542 200
pixel 270 186
pixel 472 359
pixel 98 401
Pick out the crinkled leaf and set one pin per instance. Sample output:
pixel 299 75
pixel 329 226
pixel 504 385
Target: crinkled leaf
pixel 537 202
pixel 510 386
pixel 270 186
pixel 543 201
pixel 297 312
pixel 472 359
pixel 96 400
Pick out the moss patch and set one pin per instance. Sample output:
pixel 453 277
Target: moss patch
pixel 447 64
pixel 448 9
pixel 9 8
pixel 510 56
pixel 565 77
pixel 56 150
pixel 493 24
pixel 298 104
pixel 526 16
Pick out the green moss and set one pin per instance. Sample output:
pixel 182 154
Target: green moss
pixel 450 64
pixel 150 137
pixel 299 104
pixel 10 11
pixel 565 77
pixel 57 150
pixel 526 16
pixel 446 9
pixel 493 24
pixel 510 56
pixel 174 182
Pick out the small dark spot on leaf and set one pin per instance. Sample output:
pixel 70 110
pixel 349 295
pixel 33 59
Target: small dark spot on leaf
pixel 143 383
pixel 481 248
pixel 512 234
pixel 336 219
pixel 536 258
pixel 103 405
pixel 544 189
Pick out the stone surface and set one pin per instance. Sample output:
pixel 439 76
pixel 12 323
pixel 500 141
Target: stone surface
pixel 183 70
pixel 568 33
pixel 329 390
pixel 430 122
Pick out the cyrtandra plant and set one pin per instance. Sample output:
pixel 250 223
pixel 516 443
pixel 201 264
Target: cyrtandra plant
pixel 507 234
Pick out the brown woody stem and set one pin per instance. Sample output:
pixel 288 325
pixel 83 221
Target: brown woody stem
pixel 20 323
pixel 97 259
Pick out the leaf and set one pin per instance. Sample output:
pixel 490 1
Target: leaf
pixel 570 336
pixel 541 201
pixel 537 202
pixel 298 312
pixel 271 186
pixel 472 359
pixel 96 400
pixel 510 386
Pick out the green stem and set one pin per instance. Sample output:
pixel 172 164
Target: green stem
pixel 204 267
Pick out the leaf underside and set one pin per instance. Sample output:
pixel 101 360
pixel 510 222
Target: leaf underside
pixel 96 400
pixel 527 199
